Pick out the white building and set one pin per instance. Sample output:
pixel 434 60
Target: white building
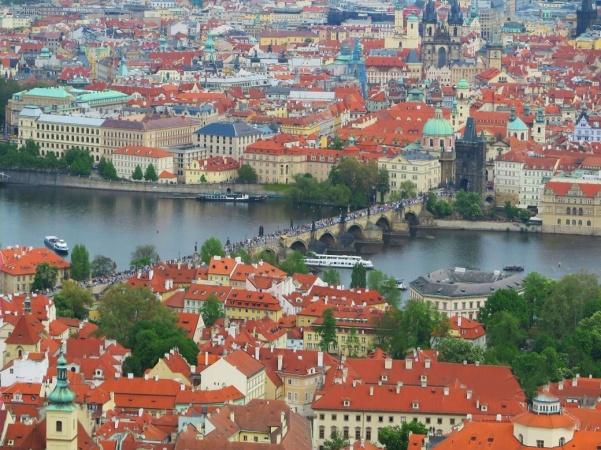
pixel 126 159
pixel 587 127
pixel 30 368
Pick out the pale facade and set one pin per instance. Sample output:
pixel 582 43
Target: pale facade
pixel 126 159
pixel 212 170
pixel 276 167
pixel 421 169
pixel 223 373
pixel 508 180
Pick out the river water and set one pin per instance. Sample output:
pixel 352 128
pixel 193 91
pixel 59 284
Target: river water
pixel 114 223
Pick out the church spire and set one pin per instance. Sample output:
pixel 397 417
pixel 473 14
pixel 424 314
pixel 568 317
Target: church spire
pixel 61 395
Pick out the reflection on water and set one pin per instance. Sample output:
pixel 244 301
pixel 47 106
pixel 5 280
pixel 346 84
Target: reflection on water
pixel 114 223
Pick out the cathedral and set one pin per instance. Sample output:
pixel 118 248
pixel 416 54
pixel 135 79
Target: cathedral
pixel 441 40
pixel 586 16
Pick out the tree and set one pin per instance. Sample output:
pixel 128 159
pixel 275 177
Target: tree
pixel 45 277
pixel 102 266
pixel 443 209
pixel 336 442
pixel 79 160
pixel 153 339
pixel 397 438
pixel 73 301
pixel 247 174
pixel 294 263
pixel 331 276
pixel 337 144
pixel 151 174
pixel 385 285
pixel 467 205
pixel 537 288
pixel 457 350
pixel 137 175
pixel 421 319
pixel 505 335
pixel 123 306
pixel 383 183
pixel 358 276
pixel 327 330
pixel 211 310
pixel 352 343
pixel 109 172
pixel 203 179
pixel 242 254
pixel 80 263
pixel 211 247
pixel 407 190
pixel 143 255
pixel 504 300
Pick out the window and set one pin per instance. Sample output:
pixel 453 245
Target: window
pixel 345 417
pixel 380 419
pixel 357 418
pixel 334 417
pixel 368 434
pixel 322 432
pixel 452 421
pixel 540 443
pixel 357 433
pixel 59 426
pixel 368 418
pixel 439 421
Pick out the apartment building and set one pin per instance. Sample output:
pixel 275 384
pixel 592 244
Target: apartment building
pixel 126 159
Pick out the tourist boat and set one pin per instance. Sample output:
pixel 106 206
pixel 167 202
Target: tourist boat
pixel 513 268
pixel 337 261
pixel 401 286
pixel 56 244
pixel 236 197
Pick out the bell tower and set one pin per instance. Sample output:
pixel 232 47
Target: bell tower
pixel 61 413
pixel 586 16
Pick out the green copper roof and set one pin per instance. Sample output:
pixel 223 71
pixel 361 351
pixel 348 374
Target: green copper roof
pixel 61 396
pixel 517 125
pixel 412 18
pixel 100 95
pixel 463 84
pixel 438 126
pixel 57 92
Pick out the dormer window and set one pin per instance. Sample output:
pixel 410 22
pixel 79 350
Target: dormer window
pixel 415 405
pixel 346 403
pixel 384 377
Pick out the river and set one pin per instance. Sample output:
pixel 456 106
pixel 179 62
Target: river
pixel 114 223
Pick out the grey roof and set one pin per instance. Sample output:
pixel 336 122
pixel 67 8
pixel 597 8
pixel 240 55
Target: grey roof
pixel 228 129
pixel 459 282
pixel 412 57
pixel 414 155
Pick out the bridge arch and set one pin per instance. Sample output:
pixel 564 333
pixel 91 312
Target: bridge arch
pixel 356 230
pixel 299 246
pixel 384 223
pixel 411 217
pixel 490 199
pixel 328 239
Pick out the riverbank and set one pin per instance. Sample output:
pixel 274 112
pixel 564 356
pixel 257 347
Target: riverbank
pixel 483 225
pixel 81 182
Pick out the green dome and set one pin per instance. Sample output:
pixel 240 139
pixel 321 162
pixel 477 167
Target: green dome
pixel 61 395
pixel 517 125
pixel 438 126
pixel 463 84
pixel 412 18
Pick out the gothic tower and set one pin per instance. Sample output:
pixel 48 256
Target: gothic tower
pixel 455 23
pixel 539 127
pixel 441 41
pixel 586 16
pixel 61 413
pixel 494 50
pixel 470 162
pixel 429 49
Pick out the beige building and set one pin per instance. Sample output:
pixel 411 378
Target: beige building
pixel 217 169
pixel 422 169
pixel 571 206
pixel 275 163
pixel 126 159
pixel 226 138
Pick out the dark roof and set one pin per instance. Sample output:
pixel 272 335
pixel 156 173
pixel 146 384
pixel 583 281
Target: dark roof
pixel 412 57
pixel 228 129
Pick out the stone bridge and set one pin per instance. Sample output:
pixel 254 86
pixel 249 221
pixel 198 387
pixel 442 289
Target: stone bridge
pixel 357 228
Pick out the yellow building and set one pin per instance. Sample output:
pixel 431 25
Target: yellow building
pixel 273 162
pixel 284 37
pixel 571 206
pixel 422 169
pixel 217 169
pixel 173 366
pixel 242 304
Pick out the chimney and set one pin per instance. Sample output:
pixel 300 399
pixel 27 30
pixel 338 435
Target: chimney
pixel 427 363
pixel 371 391
pixel 477 363
pixel 130 376
pixel 446 390
pixel 280 362
pixel 459 321
pixel 560 385
pixel 182 387
pixel 139 274
pixel 151 274
pixel 398 387
pixel 408 364
pixel 206 358
pixel 469 395
pixel 232 417
pixel 575 381
pixel 319 359
pixel 257 353
pixel 388 363
pixel 156 378
pixel 498 417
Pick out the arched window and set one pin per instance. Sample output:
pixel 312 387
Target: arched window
pixel 580 223
pixel 588 223
pixel 562 441
pixel 521 439
pixel 573 222
pixel 580 211
pixel 574 211
pixel 567 221
pixel 568 211
pixel 558 221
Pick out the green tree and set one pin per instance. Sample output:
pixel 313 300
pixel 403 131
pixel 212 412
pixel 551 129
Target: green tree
pixel 109 172
pixel 151 340
pixel 537 288
pixel 123 306
pixel 385 285
pixel 151 174
pixel 137 175
pixel 443 209
pixel 80 263
pixel 294 263
pixel 101 166
pixel 352 343
pixel 421 319
pixel 211 247
pixel 203 179
pixel 242 254
pixel 45 277
pixel 327 330
pixel 457 350
pixel 72 301
pixel 358 276
pixel 143 255
pixel 331 276
pixel 391 335
pixel 336 442
pixel 79 160
pixel 511 211
pixel 383 183
pixel 504 300
pixel 102 266
pixel 211 310
pixel 536 369
pixel 336 144
pixel 505 335
pixel 407 190
pixel 397 438
pixel 431 202
pixel 467 205
pixel 247 174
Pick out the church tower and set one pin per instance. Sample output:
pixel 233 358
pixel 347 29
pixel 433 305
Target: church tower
pixel 398 19
pixel 494 51
pixel 455 23
pixel 61 413
pixel 429 28
pixel 539 127
pixel 586 16
pixel 412 38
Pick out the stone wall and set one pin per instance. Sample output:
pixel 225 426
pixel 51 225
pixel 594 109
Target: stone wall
pixel 74 181
pixel 484 226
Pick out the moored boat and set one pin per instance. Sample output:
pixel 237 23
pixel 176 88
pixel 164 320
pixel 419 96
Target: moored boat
pixel 56 244
pixel 513 268
pixel 400 284
pixel 337 261
pixel 236 197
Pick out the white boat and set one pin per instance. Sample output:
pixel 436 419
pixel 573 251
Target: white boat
pixel 56 244
pixel 400 284
pixel 337 261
